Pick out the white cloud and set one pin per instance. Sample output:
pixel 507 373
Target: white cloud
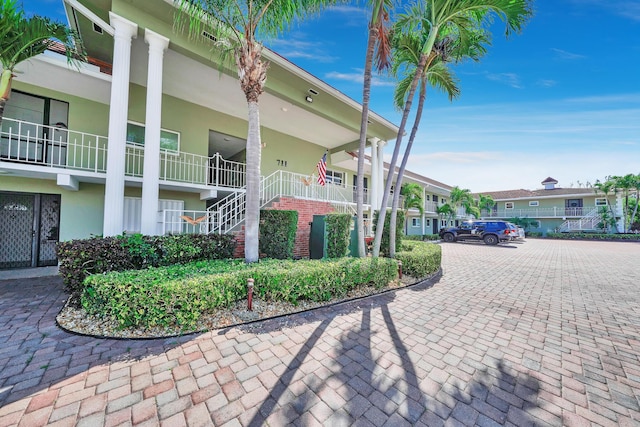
pixel 509 79
pixel 357 77
pixel 563 54
pixel 294 46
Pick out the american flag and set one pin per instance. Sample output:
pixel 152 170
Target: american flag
pixel 322 170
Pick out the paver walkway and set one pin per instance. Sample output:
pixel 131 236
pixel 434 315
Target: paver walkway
pixel 538 333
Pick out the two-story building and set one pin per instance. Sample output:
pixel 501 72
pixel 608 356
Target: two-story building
pixel 73 158
pixel 552 208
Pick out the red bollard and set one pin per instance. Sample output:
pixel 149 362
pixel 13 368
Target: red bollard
pixel 250 294
pixel 400 269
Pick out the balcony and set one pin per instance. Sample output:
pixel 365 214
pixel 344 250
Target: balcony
pixel 555 212
pixel 25 145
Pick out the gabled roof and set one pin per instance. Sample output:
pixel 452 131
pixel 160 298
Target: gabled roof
pixel 549 180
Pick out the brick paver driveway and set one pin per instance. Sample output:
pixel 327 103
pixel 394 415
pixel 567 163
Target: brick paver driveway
pixel 538 333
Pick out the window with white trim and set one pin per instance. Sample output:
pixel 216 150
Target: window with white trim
pixel 508 205
pixel 335 178
pixel 415 222
pixel 534 203
pixel 169 139
pixel 427 197
pixel 427 222
pixel 601 202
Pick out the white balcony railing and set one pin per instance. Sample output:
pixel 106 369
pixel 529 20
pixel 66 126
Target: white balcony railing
pixel 52 146
pixel 555 212
pixel 58 147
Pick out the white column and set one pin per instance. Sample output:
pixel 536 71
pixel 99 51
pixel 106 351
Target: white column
pixel 151 177
pixel 381 145
pixel 373 185
pixel 114 188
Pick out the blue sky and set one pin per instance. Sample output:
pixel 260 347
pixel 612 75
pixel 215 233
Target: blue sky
pixel 562 99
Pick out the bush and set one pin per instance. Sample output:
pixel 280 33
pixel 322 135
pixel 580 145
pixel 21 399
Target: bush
pixel 593 236
pixel 423 237
pixel 81 258
pixel 533 234
pixel 419 259
pixel 180 295
pixel 338 228
pixel 384 244
pixel 278 233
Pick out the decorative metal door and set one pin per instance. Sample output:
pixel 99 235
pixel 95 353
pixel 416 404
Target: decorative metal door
pixel 29 225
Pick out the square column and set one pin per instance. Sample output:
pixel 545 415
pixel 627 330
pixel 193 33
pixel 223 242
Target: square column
pixel 373 195
pixel 151 177
pixel 125 31
pixel 380 183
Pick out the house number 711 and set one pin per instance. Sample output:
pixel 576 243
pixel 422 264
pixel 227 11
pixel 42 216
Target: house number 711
pixel 282 163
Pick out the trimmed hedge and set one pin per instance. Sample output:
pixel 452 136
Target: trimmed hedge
pixel 593 236
pixel 278 233
pixel 420 259
pixel 180 295
pixel 338 234
pixel 81 258
pixel 384 244
pixel 423 237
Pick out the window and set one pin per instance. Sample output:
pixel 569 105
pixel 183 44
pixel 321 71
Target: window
pixel 335 178
pixel 169 140
pixel 427 197
pixel 415 222
pixel 443 222
pixel 601 202
pixel 508 205
pixel 427 222
pixel 534 203
pixel 443 201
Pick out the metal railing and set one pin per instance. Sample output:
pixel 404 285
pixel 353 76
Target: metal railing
pixel 176 221
pixel 56 146
pixel 555 212
pixel 590 221
pixel 52 146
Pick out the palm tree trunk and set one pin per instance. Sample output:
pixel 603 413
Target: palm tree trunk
pixel 366 92
pixel 3 102
pixel 403 165
pixel 394 158
pixel 252 210
pixel 5 90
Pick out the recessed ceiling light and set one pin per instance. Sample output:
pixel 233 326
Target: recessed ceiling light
pixel 284 109
pixel 226 139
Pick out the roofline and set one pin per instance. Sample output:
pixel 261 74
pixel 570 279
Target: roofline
pixel 541 197
pixel 294 69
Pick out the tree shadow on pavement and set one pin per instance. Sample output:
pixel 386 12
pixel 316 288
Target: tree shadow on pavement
pixel 376 374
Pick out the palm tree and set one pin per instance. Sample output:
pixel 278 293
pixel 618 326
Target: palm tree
pixel 236 25
pixel 22 38
pixel 445 211
pixel 626 184
pixel 462 198
pixel 607 188
pixel 438 19
pixel 411 199
pixel 486 202
pixel 378 44
pixel 437 74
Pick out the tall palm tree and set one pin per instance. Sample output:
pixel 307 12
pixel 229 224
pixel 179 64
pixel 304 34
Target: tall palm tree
pixel 24 37
pixel 626 184
pixel 237 25
pixel 445 211
pixel 438 19
pixel 436 74
pixel 377 45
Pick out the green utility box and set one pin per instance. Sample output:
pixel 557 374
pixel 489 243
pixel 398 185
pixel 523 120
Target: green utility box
pixel 318 238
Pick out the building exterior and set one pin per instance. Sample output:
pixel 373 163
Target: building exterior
pixel 553 209
pixel 149 136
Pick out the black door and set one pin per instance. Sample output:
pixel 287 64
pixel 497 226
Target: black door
pixel 29 229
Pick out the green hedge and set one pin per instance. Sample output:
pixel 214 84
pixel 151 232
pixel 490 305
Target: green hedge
pixel 278 233
pixel 384 244
pixel 81 258
pixel 420 259
pixel 180 295
pixel 593 236
pixel 423 237
pixel 338 234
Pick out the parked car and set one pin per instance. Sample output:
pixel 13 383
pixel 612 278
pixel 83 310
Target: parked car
pixel 490 232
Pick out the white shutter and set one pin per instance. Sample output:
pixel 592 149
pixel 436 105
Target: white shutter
pixel 133 215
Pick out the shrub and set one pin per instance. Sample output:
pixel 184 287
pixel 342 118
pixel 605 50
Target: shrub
pixel 419 259
pixel 422 237
pixel 384 244
pixel 278 233
pixel 180 295
pixel 80 258
pixel 593 236
pixel 338 228
pixel 534 233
